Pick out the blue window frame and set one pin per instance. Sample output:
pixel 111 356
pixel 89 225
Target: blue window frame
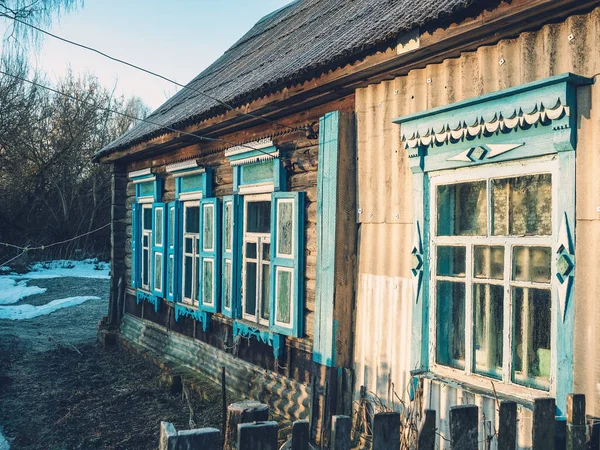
pixel 173 250
pixel 231 256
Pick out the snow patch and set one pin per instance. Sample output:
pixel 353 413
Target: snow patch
pixel 89 268
pixel 13 292
pixel 22 312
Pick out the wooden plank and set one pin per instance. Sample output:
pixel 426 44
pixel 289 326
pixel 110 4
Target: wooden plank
pixel 340 432
pixel 507 428
pixel 257 436
pixel 463 427
pixel 426 439
pixel 543 430
pixel 386 431
pixel 576 428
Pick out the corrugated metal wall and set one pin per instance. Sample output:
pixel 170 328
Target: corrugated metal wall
pixel 385 194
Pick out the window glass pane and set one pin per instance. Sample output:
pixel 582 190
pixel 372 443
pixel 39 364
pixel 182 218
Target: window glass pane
pixel 451 330
pixel 265 308
pixel 170 275
pixel 488 328
pixel 489 262
pixel 158 226
pixel 187 280
pixel 147 218
pixel 228 285
pixel 145 240
pixel 228 226
pixel 207 281
pixel 532 264
pixel 191 183
pixel 158 271
pixel 251 250
pixel 250 289
pixel 208 231
pixel 451 261
pixel 522 206
pixel 284 296
pixel 462 209
pixel 257 172
pixel 532 324
pixel 147 189
pixel 285 228
pixel 189 245
pixel 192 219
pixel 145 276
pixel 258 218
pixel 266 251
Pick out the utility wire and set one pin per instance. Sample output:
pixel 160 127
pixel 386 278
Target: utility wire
pixel 221 102
pixel 100 108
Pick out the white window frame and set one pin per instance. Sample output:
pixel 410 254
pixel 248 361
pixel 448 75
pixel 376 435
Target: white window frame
pixel 259 239
pixel 486 172
pixel 195 255
pixel 147 261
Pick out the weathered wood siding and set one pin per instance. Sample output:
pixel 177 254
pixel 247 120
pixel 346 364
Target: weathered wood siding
pixel 385 208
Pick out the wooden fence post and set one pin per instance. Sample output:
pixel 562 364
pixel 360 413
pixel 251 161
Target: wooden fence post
pixel 507 428
pixel 426 439
pixel 204 438
pixel 242 412
pixel 543 432
pixel 257 436
pixel 463 427
pixel 300 435
pixel 340 432
pixel 386 431
pixel 576 430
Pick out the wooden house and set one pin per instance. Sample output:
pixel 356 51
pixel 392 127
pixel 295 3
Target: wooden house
pixel 374 199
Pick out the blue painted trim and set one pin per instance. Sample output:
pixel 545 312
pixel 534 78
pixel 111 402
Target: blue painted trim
pixel 135 245
pixel 295 262
pixel 266 337
pixel 279 178
pixel 238 227
pixel 207 182
pixel 157 191
pixel 173 251
pixel 158 249
pixel 537 86
pixel 324 344
pixel 196 314
pixel 214 255
pixel 231 256
pixel 142 296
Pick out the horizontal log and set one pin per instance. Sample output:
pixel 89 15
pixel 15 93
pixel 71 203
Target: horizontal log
pixel 303 181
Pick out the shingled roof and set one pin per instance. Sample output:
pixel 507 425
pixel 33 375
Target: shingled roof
pixel 288 46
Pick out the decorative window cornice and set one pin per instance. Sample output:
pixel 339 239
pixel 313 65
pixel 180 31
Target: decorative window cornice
pixel 252 152
pixel 488 121
pixel 140 173
pixel 184 165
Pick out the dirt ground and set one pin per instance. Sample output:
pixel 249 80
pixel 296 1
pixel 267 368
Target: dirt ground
pixel 60 390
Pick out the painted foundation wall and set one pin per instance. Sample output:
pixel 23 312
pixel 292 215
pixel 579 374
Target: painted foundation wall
pixel 385 202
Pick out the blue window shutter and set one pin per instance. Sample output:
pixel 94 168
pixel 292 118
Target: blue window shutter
pixel 287 263
pixel 172 251
pixel 135 232
pixel 210 255
pixel 159 238
pixel 230 264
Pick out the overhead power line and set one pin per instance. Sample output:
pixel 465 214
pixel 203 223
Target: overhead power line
pixel 221 102
pixel 112 111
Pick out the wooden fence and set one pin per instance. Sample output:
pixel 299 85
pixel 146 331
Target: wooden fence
pixel 548 432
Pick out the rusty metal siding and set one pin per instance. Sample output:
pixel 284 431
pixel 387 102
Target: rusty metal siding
pixel 384 192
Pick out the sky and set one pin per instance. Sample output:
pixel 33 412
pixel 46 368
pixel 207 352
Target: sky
pixel 177 39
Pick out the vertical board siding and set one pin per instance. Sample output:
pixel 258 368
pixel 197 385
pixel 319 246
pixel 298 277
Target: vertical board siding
pixel 384 193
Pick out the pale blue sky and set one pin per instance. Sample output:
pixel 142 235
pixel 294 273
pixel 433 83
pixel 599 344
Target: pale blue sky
pixel 177 39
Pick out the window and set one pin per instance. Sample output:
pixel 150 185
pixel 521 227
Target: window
pixel 146 245
pixel 230 261
pixel 191 252
pixel 256 253
pixel 491 278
